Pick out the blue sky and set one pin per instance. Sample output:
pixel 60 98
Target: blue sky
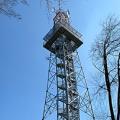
pixel 23 64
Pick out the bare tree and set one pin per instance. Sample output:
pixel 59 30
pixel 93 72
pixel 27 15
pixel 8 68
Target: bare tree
pixel 104 57
pixel 118 101
pixel 7 7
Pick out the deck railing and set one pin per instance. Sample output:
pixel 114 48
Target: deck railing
pixel 57 26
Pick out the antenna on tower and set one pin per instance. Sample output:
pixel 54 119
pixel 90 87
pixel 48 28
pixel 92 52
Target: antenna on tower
pixel 59 4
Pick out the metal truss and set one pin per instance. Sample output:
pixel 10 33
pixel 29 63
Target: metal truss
pixel 50 100
pixel 67 91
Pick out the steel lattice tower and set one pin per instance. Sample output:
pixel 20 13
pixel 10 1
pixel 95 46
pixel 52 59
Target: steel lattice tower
pixel 65 73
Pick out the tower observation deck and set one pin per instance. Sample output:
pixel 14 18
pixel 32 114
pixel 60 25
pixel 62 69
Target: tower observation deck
pixel 61 28
pixel 62 93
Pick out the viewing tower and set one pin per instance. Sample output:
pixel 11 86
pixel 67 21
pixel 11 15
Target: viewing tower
pixel 65 73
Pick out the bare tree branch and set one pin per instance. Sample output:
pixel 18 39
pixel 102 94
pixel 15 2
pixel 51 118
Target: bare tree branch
pixel 7 7
pixel 104 59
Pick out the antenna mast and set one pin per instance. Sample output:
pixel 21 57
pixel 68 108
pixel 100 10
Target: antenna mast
pixel 59 4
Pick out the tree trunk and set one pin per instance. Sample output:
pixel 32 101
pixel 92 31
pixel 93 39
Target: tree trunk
pixel 108 84
pixel 118 101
